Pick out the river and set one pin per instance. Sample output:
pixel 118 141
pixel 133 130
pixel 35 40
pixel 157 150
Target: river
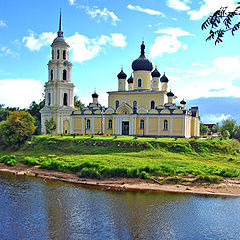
pixel 34 208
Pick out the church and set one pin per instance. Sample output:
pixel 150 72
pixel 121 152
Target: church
pixel 142 105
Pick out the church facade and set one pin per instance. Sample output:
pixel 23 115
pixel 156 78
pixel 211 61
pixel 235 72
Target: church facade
pixel 143 108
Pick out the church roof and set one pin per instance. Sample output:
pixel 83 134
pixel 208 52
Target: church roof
pixel 156 73
pixel 122 75
pixel 142 63
pixel 130 80
pixel 164 78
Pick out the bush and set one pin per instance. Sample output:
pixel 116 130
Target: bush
pixel 89 173
pixel 143 175
pixel 209 179
pixel 9 160
pixel 30 161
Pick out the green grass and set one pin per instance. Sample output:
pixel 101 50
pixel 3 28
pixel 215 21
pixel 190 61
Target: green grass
pixel 107 156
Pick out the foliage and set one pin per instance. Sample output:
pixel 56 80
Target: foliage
pixel 203 129
pixel 209 179
pixel 221 22
pixel 230 125
pixel 226 134
pixel 17 129
pixel 50 126
pixel 34 110
pixel 77 103
pixel 9 160
pixel 30 161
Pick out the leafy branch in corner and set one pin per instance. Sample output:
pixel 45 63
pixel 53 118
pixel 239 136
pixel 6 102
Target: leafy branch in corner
pixel 220 22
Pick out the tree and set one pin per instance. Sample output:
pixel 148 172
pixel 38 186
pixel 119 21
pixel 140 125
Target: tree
pixel 34 110
pixel 17 129
pixel 203 129
pixel 77 103
pixel 226 134
pixel 221 22
pixel 231 126
pixel 50 126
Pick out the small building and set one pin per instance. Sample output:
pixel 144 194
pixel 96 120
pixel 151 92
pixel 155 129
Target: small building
pixel 144 107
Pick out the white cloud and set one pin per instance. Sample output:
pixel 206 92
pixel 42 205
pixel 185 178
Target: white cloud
pixel 2 23
pixel 5 51
pixel 35 41
pixel 209 6
pixel 84 48
pixel 227 64
pixel 71 2
pixel 144 10
pixel 178 5
pixel 177 32
pixel 169 42
pixel 23 92
pixel 214 118
pixel 98 14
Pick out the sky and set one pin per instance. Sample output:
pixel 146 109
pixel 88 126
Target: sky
pixel 105 35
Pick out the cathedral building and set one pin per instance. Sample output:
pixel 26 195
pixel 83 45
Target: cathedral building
pixel 143 108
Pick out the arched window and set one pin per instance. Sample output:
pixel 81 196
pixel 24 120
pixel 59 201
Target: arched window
pixel 135 104
pixel 52 54
pixel 165 125
pixel 58 54
pixel 64 54
pixel 49 99
pixel 141 124
pixel 88 125
pixel 110 124
pixel 65 99
pixel 139 82
pixel 51 75
pixel 116 104
pixel 152 104
pixel 64 74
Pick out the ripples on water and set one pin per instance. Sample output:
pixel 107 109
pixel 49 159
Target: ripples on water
pixel 32 208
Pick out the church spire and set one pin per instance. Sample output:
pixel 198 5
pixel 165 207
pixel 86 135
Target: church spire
pixel 60 32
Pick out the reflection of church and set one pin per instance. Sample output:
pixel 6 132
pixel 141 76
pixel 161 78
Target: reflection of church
pixel 144 108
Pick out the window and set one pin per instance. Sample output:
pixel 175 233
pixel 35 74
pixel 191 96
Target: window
pixel 52 54
pixel 51 75
pixel 165 125
pixel 88 125
pixel 58 54
pixel 110 124
pixel 49 99
pixel 141 124
pixel 152 104
pixel 64 74
pixel 117 104
pixel 135 104
pixel 65 98
pixel 64 54
pixel 139 82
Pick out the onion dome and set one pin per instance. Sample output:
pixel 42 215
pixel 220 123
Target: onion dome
pixel 130 80
pixel 156 73
pixel 122 75
pixel 164 78
pixel 142 63
pixel 170 94
pixel 95 95
pixel 183 102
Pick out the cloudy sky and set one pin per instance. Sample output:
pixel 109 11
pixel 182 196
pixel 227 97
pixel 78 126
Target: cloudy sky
pixel 105 35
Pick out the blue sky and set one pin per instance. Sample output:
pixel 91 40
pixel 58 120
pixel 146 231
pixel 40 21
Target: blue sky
pixel 105 35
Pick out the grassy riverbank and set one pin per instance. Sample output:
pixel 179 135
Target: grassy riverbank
pixel 165 159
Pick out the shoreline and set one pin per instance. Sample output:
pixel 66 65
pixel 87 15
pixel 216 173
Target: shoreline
pixel 227 188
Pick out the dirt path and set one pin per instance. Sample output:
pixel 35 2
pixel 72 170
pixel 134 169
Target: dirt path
pixel 228 188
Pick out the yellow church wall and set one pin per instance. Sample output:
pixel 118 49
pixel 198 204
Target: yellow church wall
pixel 145 76
pixel 107 130
pixel 153 126
pixel 165 132
pixel 77 125
pixel 143 99
pixel 97 125
pixel 138 130
pixel 192 127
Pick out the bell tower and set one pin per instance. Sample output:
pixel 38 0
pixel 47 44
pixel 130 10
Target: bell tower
pixel 59 89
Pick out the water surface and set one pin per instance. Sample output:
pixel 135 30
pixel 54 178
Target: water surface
pixel 32 208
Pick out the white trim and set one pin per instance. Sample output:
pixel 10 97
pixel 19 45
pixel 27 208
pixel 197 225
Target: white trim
pixel 159 125
pixel 92 125
pixel 147 122
pixel 83 125
pixel 171 125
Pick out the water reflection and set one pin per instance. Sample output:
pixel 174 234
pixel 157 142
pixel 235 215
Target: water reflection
pixel 34 209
